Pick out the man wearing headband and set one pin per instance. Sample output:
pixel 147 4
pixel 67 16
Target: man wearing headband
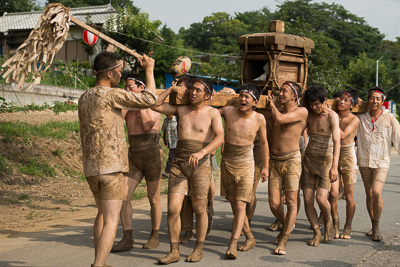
pixel 242 124
pixel 377 131
pixel 105 154
pixel 320 162
pixel 347 167
pixel 145 158
pixel 200 132
pixel 287 126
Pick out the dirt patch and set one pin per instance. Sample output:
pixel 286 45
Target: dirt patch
pixel 35 117
pixel 60 197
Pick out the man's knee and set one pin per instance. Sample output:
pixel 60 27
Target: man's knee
pixel 199 206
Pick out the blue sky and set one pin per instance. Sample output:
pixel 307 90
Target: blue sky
pixel 383 14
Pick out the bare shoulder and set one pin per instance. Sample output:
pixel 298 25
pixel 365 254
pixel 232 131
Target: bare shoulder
pixel 332 114
pixel 354 118
pixel 260 118
pixel 213 111
pixel 302 111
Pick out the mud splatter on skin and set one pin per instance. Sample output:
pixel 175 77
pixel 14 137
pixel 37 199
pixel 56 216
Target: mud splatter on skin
pixel 201 130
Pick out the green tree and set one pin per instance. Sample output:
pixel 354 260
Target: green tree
pixel 361 74
pixel 13 6
pixel 134 31
pixel 217 33
pixel 218 68
pixel 344 31
pixel 166 53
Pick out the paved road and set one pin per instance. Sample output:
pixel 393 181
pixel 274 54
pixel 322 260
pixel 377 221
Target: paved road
pixel 73 245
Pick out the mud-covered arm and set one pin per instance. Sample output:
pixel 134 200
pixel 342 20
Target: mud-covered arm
pixel 351 127
pixel 218 131
pixel 291 117
pixel 334 121
pixel 132 101
pixel 147 64
pixel 262 134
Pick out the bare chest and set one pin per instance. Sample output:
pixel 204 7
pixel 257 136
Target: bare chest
pixel 319 124
pixel 194 122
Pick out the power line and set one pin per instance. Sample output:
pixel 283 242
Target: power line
pixel 373 9
pixel 169 46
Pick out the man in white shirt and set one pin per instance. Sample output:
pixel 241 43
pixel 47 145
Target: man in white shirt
pixel 377 130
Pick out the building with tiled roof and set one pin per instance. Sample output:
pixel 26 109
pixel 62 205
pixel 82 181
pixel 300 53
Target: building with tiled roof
pixel 16 27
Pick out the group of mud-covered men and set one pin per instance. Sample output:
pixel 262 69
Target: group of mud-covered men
pixel 256 144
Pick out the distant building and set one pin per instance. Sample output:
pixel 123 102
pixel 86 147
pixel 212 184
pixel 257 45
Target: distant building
pixel 16 27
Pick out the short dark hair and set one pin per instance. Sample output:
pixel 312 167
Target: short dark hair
pixel 104 60
pixel 377 88
pixel 137 79
pixel 314 93
pixel 354 95
pixel 251 88
pixel 207 83
pixel 186 80
pixel 337 94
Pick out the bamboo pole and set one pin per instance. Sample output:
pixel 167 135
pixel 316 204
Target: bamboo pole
pixel 105 37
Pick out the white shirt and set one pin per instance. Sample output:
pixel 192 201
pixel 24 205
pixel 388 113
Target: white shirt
pixel 374 147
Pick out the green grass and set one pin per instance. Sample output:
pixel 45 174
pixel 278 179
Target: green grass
pixel 52 129
pixel 59 152
pixel 31 166
pixel 23 197
pixel 139 194
pixel 3 165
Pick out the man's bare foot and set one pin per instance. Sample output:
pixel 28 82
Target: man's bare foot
pixel 346 234
pixel 376 234
pixel 173 256
pixel 197 253
pixel 250 242
pixel 316 239
pixel 275 225
pixel 186 237
pixel 126 243
pixel 281 248
pixel 153 240
pixel 232 249
pixel 336 226
pixel 369 233
pixel 329 232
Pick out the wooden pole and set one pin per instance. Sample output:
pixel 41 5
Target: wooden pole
pixel 105 37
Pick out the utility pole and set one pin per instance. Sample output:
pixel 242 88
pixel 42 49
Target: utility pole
pixel 377 70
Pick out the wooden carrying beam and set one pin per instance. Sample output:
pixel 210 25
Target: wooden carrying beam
pixel 357 109
pixel 218 100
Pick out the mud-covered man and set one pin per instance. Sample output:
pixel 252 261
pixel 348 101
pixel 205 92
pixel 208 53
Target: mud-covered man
pixel 242 125
pixel 287 127
pixel 320 162
pixel 377 131
pixel 348 124
pixel 200 132
pixel 145 158
pixel 105 153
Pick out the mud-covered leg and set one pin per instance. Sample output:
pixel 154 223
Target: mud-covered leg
pixel 172 256
pixel 250 242
pixel 316 239
pixel 153 240
pixel 376 234
pixel 346 234
pixel 336 224
pixel 126 243
pixel 281 248
pixel 232 249
pixel 197 253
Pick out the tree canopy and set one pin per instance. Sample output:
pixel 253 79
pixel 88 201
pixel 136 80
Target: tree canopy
pixel 13 6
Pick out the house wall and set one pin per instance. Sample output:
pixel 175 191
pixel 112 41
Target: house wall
pixel 38 95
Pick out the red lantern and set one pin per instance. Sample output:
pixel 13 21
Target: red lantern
pixel 89 38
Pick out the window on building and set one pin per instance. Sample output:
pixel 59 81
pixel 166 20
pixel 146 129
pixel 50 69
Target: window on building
pixel 1 50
